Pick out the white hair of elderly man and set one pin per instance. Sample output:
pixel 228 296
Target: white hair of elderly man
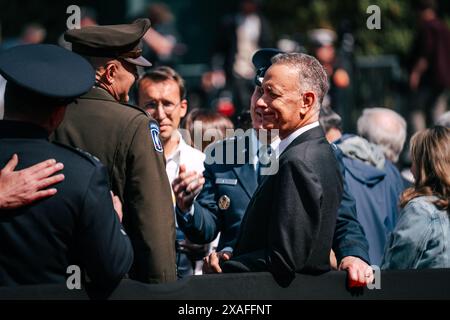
pixel 385 128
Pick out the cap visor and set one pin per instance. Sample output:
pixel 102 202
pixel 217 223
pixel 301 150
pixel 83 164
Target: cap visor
pixel 140 61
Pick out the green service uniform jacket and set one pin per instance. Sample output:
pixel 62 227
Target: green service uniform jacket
pixel 126 140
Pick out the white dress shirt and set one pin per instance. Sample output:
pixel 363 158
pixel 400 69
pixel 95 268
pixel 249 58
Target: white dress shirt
pixel 284 143
pixel 184 154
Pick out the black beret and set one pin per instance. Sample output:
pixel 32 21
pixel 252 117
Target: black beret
pixel 112 41
pixel 47 70
pixel 262 61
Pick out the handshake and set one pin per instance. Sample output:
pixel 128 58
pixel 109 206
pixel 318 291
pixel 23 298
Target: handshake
pixel 186 187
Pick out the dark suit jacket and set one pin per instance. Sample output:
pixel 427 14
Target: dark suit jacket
pixel 119 135
pixel 289 224
pixel 78 225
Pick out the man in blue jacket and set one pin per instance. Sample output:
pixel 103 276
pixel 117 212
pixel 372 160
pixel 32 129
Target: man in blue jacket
pixel 228 188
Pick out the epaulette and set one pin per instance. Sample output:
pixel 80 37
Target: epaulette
pixel 135 107
pixel 93 159
pixel 142 111
pixel 224 144
pixel 235 139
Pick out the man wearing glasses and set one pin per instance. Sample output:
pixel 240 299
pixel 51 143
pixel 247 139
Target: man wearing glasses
pixel 127 141
pixel 162 94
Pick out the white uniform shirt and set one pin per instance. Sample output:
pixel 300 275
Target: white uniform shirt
pixel 184 154
pixel 193 160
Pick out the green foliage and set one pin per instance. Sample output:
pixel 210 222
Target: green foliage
pixel 398 21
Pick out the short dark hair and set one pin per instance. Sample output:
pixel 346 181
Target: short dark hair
pixel 210 120
pixel 164 73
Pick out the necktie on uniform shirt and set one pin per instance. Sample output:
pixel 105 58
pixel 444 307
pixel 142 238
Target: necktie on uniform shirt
pixel 264 153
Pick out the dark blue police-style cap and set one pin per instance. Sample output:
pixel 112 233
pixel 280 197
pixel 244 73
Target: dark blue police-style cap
pixel 262 61
pixel 47 70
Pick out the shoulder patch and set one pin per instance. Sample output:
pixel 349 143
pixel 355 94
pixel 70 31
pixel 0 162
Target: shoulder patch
pixel 154 132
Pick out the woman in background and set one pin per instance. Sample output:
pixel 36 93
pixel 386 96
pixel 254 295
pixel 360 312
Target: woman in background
pixel 421 238
pixel 212 125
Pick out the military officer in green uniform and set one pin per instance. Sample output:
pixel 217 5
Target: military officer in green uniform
pixel 126 140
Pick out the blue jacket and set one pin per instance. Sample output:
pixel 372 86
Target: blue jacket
pixel 238 182
pixel 421 238
pixel 349 237
pixel 376 192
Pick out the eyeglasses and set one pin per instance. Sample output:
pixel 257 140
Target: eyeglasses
pixel 168 106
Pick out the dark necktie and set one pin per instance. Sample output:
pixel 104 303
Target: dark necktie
pixel 263 154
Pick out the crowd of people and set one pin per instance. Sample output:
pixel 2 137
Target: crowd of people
pixel 156 192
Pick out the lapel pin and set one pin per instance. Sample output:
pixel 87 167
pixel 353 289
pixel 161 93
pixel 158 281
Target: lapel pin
pixel 224 202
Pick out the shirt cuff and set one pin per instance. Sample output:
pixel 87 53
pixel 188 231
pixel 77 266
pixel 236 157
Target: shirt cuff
pixel 185 215
pixel 229 249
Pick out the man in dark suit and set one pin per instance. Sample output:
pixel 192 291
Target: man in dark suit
pixel 221 204
pixel 289 224
pixel 126 140
pixel 78 225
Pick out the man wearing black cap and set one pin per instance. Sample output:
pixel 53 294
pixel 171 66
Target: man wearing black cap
pixel 78 225
pixel 126 140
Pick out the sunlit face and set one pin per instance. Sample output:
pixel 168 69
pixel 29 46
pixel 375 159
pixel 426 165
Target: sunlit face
pixel 163 102
pixel 281 101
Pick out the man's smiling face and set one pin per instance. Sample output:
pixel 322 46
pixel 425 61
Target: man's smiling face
pixel 279 105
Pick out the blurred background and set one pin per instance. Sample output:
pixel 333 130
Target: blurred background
pixel 211 42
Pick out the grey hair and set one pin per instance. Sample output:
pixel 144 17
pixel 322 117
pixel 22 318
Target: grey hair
pixel 385 128
pixel 312 75
pixel 444 120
